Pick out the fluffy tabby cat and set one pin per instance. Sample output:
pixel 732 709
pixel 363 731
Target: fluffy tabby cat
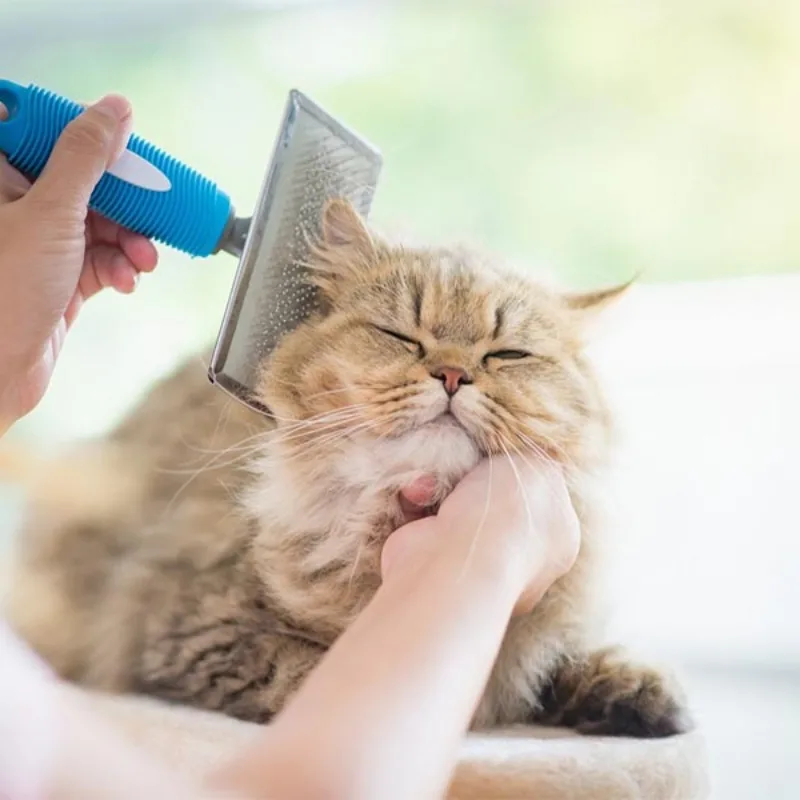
pixel 208 556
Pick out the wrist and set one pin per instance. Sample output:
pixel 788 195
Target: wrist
pixel 480 560
pixel 508 561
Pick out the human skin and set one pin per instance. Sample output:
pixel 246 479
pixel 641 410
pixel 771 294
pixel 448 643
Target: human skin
pixel 382 715
pixel 56 254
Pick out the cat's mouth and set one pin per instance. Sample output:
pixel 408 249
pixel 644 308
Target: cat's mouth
pixel 447 419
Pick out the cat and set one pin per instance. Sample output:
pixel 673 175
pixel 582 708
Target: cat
pixel 208 555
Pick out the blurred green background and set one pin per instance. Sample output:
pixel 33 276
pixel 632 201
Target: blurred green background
pixel 594 138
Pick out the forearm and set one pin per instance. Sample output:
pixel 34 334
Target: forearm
pixel 94 763
pixel 385 711
pixel 52 747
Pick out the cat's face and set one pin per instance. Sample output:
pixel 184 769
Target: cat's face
pixel 417 345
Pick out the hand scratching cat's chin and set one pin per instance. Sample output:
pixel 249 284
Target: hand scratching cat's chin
pixel 442 449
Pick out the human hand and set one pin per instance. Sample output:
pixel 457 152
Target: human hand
pixel 511 510
pixel 55 254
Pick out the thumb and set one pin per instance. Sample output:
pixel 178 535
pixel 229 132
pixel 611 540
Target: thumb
pixel 83 152
pixel 408 544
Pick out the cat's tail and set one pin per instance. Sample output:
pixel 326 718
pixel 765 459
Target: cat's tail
pixel 77 526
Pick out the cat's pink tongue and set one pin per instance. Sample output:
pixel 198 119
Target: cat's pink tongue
pixel 416 499
pixel 421 491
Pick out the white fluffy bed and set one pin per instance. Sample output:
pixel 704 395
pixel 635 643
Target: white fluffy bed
pixel 540 764
pixel 516 764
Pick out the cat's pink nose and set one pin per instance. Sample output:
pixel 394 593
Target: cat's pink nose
pixel 453 378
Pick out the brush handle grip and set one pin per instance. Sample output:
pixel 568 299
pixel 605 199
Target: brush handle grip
pixel 179 207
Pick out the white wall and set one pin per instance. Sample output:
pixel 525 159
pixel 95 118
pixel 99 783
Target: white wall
pixel 706 381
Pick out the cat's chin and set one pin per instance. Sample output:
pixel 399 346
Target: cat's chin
pixel 442 447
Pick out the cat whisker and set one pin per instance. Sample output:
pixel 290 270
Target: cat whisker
pixel 548 440
pixel 225 411
pixel 237 447
pixel 474 543
pixel 393 388
pixel 313 430
pixel 205 468
pixel 354 569
pixel 312 433
pixel 396 394
pixel 241 445
pixel 536 450
pixel 329 392
pixel 528 512
pixel 293 385
pixel 565 458
pixel 315 423
pixel 550 488
pixel 211 465
pixel 232 496
pixel 329 440
pixel 313 417
pixel 499 412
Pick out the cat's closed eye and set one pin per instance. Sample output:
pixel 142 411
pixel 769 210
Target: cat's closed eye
pixel 507 355
pixel 412 344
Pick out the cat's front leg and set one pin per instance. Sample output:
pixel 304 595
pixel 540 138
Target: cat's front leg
pixel 605 694
pixel 239 670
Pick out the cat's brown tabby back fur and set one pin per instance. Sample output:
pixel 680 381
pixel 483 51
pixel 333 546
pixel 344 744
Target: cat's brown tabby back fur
pixel 207 555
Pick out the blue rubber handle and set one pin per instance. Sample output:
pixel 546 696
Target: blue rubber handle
pixel 190 215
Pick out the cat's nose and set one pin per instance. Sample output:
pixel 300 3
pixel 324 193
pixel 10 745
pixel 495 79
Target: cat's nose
pixel 453 378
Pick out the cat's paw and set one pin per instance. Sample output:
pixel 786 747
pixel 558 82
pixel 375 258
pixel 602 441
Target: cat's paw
pixel 604 694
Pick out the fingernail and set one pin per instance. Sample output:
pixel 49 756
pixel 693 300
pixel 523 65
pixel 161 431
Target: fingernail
pixel 114 106
pixel 123 275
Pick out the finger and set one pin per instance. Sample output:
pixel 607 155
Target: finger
pixel 139 249
pixel 101 230
pixel 83 152
pixel 13 184
pixel 407 544
pixel 107 266
pixel 141 252
pixel 507 472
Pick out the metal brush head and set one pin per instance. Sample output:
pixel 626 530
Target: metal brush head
pixel 315 159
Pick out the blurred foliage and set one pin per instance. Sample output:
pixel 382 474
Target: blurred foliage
pixel 596 137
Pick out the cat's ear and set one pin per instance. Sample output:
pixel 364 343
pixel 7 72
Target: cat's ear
pixel 595 302
pixel 343 228
pixel 345 246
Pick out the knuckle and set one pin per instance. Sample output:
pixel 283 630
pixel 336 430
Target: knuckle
pixel 86 134
pixel 12 184
pixel 48 206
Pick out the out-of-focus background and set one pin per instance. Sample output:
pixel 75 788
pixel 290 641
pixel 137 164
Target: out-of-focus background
pixel 591 138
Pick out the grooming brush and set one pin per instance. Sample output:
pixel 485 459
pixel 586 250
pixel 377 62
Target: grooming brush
pixel 149 192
